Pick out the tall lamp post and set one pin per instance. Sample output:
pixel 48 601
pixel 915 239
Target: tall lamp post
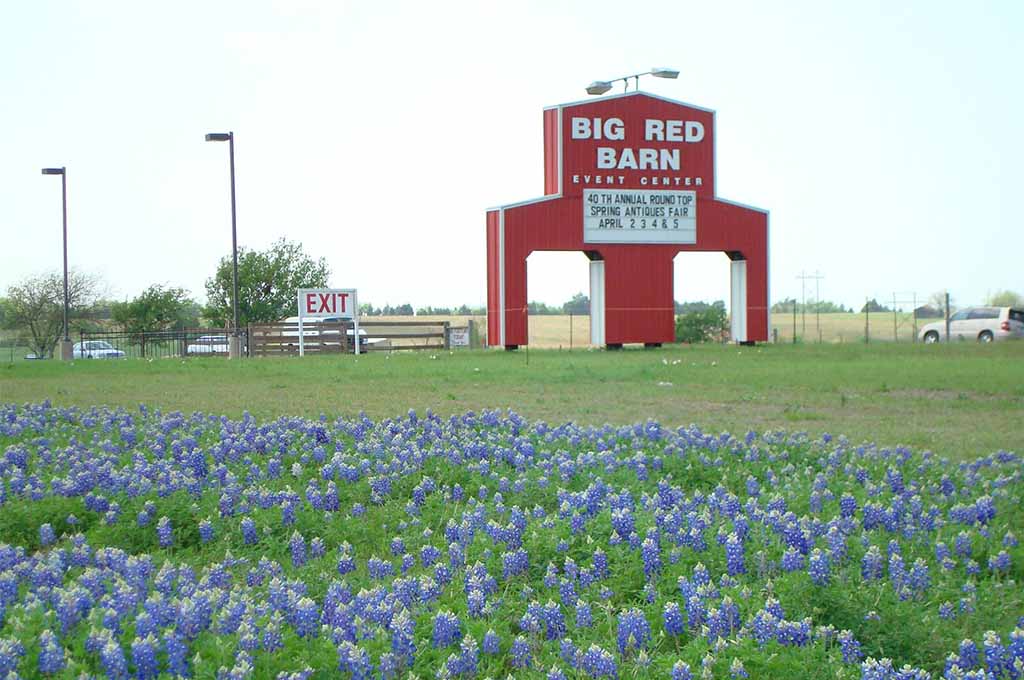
pixel 234 346
pixel 66 352
pixel 601 86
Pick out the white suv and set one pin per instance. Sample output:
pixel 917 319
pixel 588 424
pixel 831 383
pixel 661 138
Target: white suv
pixel 984 324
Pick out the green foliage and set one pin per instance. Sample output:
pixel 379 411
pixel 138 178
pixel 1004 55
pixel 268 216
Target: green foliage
pixel 1005 298
pixel 707 325
pixel 157 308
pixel 578 304
pixel 873 306
pixel 36 306
pixel 789 305
pixel 267 283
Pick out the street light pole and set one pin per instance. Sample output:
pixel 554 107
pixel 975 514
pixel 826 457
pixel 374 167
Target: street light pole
pixel 234 347
pixel 599 87
pixel 65 345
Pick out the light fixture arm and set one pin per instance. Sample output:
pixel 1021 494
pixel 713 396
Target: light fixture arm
pixel 601 86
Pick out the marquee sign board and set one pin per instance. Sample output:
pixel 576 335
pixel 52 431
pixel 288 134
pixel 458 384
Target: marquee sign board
pixel 629 179
pixel 328 303
pixel 634 216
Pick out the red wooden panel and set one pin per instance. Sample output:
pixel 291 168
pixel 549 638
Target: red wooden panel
pixel 551 168
pixel 493 278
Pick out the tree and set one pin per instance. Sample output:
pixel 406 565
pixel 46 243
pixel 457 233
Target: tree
pixel 579 304
pixel 157 308
pixel 938 301
pixel 267 283
pixel 36 306
pixel 1005 298
pixel 704 325
pixel 872 306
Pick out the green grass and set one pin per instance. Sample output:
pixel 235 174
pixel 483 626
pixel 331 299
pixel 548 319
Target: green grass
pixel 961 400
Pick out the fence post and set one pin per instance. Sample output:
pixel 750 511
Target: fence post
pixel 471 324
pixel 947 317
pixel 867 322
pixel 447 336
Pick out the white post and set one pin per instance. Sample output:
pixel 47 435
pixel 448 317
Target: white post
pixel 302 337
pixel 738 300
pixel 355 319
pixel 597 302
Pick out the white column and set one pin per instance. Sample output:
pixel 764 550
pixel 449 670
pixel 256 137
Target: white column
pixel 738 300
pixel 597 302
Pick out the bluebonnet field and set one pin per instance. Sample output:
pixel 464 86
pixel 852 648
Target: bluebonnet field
pixel 141 544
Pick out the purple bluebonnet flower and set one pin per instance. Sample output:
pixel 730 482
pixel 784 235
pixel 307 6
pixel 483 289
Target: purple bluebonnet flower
pixel 673 618
pixel 163 532
pixel 849 647
pixel 737 671
pixel 113 661
pixel 871 564
pixel 681 671
pixel 520 655
pixel 46 535
pixel 819 567
pixel 584 616
pixel 297 547
pixel 999 564
pixel 306 618
pixel 792 560
pixel 555 674
pixel 734 555
pixel 249 534
pixel 599 663
pixel 568 651
pixel 491 643
pixel 651 555
pixel 51 653
pixel 946 611
pixel 633 630
pixel 205 531
pixel 144 657
pixel 447 629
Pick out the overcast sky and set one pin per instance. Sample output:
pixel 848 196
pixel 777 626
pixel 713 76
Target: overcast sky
pixel 885 138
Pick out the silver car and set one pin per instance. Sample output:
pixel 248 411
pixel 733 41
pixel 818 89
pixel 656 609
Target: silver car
pixel 95 349
pixel 984 324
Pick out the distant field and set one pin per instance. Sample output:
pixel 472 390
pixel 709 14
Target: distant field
pixel 961 400
pixel 562 331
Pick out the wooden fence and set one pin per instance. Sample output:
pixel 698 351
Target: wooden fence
pixel 282 339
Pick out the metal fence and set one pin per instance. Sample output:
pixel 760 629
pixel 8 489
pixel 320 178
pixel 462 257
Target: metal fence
pixel 189 342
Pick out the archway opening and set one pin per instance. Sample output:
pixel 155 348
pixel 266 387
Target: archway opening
pixel 702 281
pixel 558 299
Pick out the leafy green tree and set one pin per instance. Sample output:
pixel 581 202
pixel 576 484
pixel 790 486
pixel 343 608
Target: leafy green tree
pixel 874 307
pixel 267 283
pixel 35 307
pixel 706 325
pixel 578 304
pixel 157 308
pixel 1005 298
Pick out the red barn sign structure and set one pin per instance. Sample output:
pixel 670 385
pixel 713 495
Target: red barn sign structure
pixel 629 180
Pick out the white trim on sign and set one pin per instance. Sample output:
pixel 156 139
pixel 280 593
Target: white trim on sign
pixel 501 276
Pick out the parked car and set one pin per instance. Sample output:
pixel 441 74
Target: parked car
pixel 984 324
pixel 95 349
pixel 208 344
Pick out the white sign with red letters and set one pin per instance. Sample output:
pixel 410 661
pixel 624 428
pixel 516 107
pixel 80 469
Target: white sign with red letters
pixel 328 303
